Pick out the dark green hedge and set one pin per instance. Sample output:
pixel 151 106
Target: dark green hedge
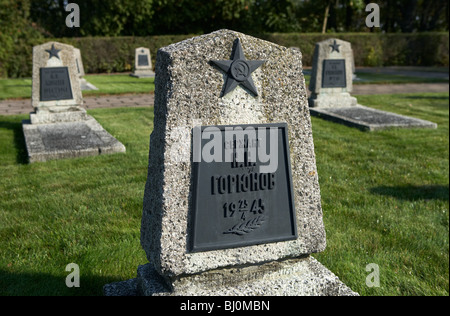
pixel 378 49
pixel 116 54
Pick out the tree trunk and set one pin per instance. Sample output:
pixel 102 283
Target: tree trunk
pixel 325 18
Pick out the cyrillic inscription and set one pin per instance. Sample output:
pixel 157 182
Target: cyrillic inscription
pixel 334 73
pixel 142 60
pixel 234 204
pixel 55 84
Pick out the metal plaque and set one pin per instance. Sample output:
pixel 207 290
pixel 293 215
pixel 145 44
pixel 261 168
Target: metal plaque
pixel 333 75
pixel 142 60
pixel 243 196
pixel 55 84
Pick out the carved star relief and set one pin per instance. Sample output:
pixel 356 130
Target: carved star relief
pixel 53 52
pixel 335 47
pixel 238 71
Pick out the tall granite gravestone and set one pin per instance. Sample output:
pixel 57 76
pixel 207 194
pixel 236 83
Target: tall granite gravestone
pixel 243 225
pixel 142 63
pixel 80 70
pixel 332 73
pixel 331 85
pixel 60 127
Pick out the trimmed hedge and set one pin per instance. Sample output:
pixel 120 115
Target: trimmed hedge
pixel 116 54
pixel 378 49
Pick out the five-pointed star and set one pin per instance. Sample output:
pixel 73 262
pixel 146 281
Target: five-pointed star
pixel 335 47
pixel 238 70
pixel 53 52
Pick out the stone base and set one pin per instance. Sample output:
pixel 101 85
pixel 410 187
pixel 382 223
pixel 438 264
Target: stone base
pixel 329 100
pixel 86 86
pixel 68 140
pixel 293 277
pixel 366 118
pixel 143 74
pixel 58 115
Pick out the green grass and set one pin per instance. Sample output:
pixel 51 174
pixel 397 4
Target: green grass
pixel 107 84
pixel 123 84
pixel 383 78
pixel 85 211
pixel 384 196
pixel 119 84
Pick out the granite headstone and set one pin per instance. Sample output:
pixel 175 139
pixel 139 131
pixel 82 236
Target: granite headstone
pixel 60 127
pixel 331 78
pixel 56 92
pixel 143 63
pixel 331 84
pixel 262 223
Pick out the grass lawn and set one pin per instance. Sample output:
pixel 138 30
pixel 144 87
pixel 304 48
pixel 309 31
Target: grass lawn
pixel 123 83
pixel 107 84
pixel 384 196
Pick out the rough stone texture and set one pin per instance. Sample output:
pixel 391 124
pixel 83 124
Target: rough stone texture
pixel 331 97
pixel 188 90
pixel 292 277
pixel 66 58
pixel 367 118
pixel 142 71
pixel 123 288
pixel 67 140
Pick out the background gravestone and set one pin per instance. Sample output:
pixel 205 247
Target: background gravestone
pixel 331 84
pixel 80 69
pixel 60 127
pixel 142 63
pixel 332 74
pixel 196 86
pixel 56 92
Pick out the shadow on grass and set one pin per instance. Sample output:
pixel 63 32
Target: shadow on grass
pixel 19 140
pixel 43 284
pixel 414 192
pixel 434 97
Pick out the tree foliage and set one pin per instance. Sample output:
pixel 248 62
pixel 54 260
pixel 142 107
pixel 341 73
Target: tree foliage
pixel 15 27
pixel 152 17
pixel 157 17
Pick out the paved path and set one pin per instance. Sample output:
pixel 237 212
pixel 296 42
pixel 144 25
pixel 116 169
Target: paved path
pixel 399 88
pixel 9 107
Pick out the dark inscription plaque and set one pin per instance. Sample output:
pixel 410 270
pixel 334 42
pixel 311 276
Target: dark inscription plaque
pixel 142 60
pixel 333 75
pixel 55 84
pixel 234 204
